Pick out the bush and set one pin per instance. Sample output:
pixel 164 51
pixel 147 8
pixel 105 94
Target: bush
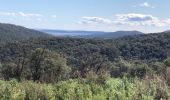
pixel 82 89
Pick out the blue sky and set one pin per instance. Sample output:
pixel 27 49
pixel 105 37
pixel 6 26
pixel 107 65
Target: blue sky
pixel 96 15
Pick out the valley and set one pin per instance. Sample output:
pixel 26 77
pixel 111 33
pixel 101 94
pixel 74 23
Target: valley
pixel 37 65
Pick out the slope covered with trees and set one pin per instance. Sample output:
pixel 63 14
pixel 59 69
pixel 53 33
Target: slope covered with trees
pixel 145 47
pixel 87 54
pixel 72 68
pixel 9 32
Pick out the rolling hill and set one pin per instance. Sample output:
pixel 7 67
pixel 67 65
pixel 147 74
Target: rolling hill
pixel 10 32
pixel 134 46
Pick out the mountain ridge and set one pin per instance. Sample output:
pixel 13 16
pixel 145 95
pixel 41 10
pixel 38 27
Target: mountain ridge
pixel 90 34
pixel 11 32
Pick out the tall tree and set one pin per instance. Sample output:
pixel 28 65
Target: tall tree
pixel 48 66
pixel 36 60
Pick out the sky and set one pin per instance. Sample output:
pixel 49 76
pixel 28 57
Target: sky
pixel 92 15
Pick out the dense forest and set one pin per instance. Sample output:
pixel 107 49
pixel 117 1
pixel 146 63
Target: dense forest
pixel 43 67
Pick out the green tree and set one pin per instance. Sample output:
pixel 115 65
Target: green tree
pixel 48 66
pixel 8 70
pixel 55 67
pixel 36 60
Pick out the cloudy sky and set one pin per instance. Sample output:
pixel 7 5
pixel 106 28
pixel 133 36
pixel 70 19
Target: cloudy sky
pixel 96 15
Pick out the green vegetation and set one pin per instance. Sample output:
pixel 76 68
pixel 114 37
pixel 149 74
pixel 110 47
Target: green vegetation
pixel 128 68
pixel 113 89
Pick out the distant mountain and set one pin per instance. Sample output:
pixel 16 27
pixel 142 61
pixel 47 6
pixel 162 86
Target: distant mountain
pixel 71 33
pixel 110 35
pixel 10 32
pixel 167 31
pixel 91 34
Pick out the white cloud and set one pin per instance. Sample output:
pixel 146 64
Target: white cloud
pixel 134 19
pixel 7 14
pixel 39 19
pixel 54 16
pixel 131 19
pixel 28 14
pixel 20 14
pixel 95 20
pixel 145 4
pixel 167 21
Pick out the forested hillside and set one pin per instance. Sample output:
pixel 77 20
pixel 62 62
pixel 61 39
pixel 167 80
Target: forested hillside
pixel 142 47
pixel 9 32
pixel 145 47
pixel 72 68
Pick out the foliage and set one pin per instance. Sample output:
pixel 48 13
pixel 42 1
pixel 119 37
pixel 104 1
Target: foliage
pixel 113 89
pixel 126 68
